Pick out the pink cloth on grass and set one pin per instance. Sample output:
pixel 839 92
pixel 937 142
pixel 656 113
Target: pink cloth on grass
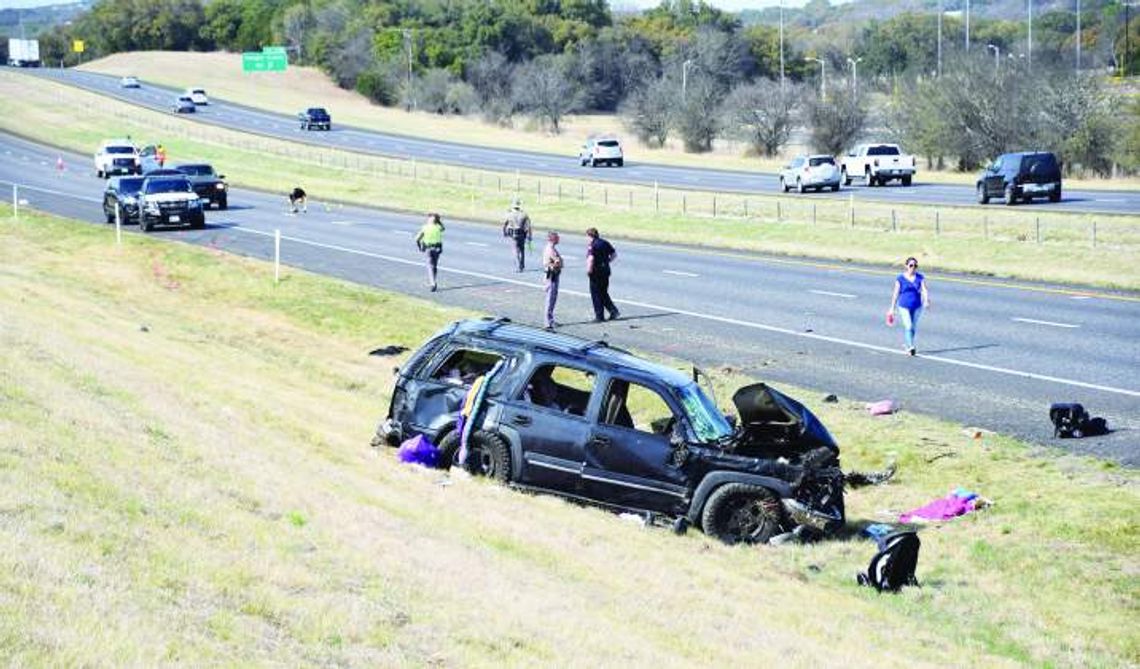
pixel 946 508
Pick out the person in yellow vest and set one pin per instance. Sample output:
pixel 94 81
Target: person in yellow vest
pixel 430 243
pixel 160 155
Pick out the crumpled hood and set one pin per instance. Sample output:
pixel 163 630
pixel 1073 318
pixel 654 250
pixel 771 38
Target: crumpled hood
pixel 769 418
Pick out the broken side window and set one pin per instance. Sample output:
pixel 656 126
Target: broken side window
pixel 635 406
pixel 463 366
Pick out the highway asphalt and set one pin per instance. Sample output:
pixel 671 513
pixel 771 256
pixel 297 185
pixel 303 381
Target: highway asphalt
pixel 992 354
pixel 284 125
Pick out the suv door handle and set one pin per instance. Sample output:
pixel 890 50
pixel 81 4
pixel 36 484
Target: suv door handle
pixel 521 420
pixel 600 441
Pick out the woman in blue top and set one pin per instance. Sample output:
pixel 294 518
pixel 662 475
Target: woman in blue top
pixel 909 299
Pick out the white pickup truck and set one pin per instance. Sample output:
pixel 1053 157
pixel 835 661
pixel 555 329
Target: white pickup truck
pixel 117 156
pixel 877 164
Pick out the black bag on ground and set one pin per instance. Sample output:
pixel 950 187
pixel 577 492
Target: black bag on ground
pixel 1071 420
pixel 893 566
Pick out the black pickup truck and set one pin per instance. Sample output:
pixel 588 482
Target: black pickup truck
pixel 208 184
pixel 315 118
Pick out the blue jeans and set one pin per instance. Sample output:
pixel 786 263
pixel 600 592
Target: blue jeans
pixel 551 300
pixel 908 318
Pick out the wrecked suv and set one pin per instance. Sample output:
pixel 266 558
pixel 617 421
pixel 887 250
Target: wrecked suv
pixel 578 418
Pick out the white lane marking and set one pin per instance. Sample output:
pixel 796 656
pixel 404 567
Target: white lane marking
pixel 1050 323
pixel 342 223
pixel 1081 297
pixel 716 319
pixel 848 296
pixel 676 273
pixel 1109 199
pixel 401 232
pixel 476 244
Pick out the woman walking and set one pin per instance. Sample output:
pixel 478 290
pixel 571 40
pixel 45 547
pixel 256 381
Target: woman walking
pixel 552 263
pixel 909 299
pixel 430 242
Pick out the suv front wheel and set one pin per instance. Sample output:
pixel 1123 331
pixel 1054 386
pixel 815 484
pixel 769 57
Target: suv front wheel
pixel 1009 197
pixel 742 513
pixel 983 196
pixel 489 456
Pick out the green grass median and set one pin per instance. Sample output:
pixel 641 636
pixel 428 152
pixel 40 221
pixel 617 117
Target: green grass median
pixel 185 477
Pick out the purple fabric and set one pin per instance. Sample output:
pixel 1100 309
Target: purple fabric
pixel 418 450
pixel 946 508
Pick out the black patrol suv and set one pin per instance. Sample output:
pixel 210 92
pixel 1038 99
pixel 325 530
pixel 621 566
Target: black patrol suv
pixel 210 186
pixel 1021 176
pixel 121 199
pixel 560 414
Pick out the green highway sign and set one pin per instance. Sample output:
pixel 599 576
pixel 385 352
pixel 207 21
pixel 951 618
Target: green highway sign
pixel 272 49
pixel 261 61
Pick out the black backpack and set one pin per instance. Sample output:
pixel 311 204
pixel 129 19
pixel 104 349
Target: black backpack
pixel 893 566
pixel 1070 420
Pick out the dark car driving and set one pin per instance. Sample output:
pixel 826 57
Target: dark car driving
pixel 578 418
pixel 1021 176
pixel 208 184
pixel 121 198
pixel 315 117
pixel 169 200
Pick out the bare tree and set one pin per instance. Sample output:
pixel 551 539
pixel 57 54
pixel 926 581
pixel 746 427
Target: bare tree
pixel 835 123
pixel 491 76
pixel 543 89
pixel 295 24
pixel 762 114
pixel 696 118
pixel 648 112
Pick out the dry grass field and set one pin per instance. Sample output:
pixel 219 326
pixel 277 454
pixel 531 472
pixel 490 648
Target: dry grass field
pixel 995 241
pixel 185 478
pixel 300 87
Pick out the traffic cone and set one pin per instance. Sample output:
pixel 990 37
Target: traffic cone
pixel 59 167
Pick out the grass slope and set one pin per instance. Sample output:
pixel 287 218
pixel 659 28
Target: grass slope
pixel 300 87
pixel 950 239
pixel 185 477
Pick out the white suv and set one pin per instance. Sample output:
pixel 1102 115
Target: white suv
pixel 117 156
pixel 197 95
pixel 601 150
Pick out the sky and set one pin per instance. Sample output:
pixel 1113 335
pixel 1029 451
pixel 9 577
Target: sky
pixel 727 5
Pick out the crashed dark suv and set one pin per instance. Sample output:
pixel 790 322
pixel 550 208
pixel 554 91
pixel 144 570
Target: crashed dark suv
pixel 582 419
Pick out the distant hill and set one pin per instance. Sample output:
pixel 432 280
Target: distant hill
pixel 29 22
pixel 821 14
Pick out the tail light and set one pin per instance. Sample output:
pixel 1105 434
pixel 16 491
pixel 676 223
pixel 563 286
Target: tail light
pixel 912 161
pixel 876 163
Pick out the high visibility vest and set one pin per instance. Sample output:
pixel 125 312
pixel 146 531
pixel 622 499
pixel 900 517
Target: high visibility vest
pixel 432 235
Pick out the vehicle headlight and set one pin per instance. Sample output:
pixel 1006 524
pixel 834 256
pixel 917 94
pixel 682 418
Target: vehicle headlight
pixel 151 207
pixel 195 204
pixel 128 200
pixel 220 186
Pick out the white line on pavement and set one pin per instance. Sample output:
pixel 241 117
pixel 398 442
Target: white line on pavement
pixel 848 296
pixel 716 319
pixel 1051 323
pixel 1081 297
pixel 677 273
pixel 341 223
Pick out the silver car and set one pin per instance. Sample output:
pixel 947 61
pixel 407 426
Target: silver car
pixel 601 150
pixel 806 172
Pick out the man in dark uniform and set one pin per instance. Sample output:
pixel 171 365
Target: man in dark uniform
pixel 599 255
pixel 516 226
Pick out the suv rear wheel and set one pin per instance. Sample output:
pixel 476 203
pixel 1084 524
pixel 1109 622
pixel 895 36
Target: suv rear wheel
pixel 1008 197
pixel 983 196
pixel 742 513
pixel 490 455
pixel 1055 196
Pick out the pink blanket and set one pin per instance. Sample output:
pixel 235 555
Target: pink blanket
pixel 946 508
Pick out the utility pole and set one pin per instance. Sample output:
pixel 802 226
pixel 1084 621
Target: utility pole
pixel 781 45
pixel 822 77
pixel 854 63
pixel 408 43
pixel 685 77
pixel 1078 36
pixel 939 38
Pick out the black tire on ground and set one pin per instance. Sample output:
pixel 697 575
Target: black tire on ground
pixel 593 163
pixel 99 173
pixel 799 185
pixel 144 225
pixel 198 222
pixel 223 203
pixel 1055 196
pixel 835 188
pixel 742 513
pixel 846 178
pixel 448 449
pixel 983 197
pixel 109 215
pixel 621 162
pixel 1008 197
pixel 783 185
pixel 906 181
pixel 490 456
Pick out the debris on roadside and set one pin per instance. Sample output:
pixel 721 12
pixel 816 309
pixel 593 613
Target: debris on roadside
pixel 388 350
pixel 418 451
pixel 958 503
pixel 882 407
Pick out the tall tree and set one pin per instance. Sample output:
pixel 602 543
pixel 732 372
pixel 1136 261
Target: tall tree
pixel 543 89
pixel 762 114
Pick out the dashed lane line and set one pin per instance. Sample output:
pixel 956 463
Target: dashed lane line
pixel 847 296
pixel 1034 321
pixel 718 319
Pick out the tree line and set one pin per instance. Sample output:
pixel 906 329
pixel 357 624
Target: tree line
pixel 682 70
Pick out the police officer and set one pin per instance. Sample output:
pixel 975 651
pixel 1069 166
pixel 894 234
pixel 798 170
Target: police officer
pixel 430 242
pixel 516 226
pixel 599 255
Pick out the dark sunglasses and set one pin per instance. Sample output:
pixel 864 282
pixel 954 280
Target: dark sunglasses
pixel 912 264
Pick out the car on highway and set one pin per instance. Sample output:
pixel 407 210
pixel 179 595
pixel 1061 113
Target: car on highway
pixel 1020 176
pixel 197 96
pixel 315 118
pixel 121 199
pixel 116 156
pixel 210 186
pixel 810 172
pixel 601 150
pixel 129 82
pixel 183 105
pixel 878 164
pixel 169 200
pixel 579 418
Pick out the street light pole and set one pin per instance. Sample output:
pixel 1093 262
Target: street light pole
pixel 940 38
pixel 685 77
pixel 408 43
pixel 854 63
pixel 822 77
pixel 997 56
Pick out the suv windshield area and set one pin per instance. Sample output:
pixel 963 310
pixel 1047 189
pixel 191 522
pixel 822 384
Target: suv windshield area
pixel 119 149
pixel 154 186
pixel 554 413
pixel 129 186
pixel 816 161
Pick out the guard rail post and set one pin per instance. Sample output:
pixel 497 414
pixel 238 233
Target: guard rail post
pixel 15 202
pixel 1094 234
pixel 656 198
pixel 277 256
pixel 1037 221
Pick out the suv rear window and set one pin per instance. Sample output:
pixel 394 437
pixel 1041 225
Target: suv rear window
pixel 821 160
pixel 611 143
pixel 883 151
pixel 1039 164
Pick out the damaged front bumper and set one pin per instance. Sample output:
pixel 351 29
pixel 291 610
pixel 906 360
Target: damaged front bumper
pixel 388 433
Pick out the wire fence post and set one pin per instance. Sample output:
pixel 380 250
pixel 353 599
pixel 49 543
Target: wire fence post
pixel 813 205
pixel 745 207
pixel 581 192
pixel 539 196
pixel 656 199
pixel 894 222
pixel 606 195
pixel 779 213
pixel 631 198
pixel 1037 221
pixel 684 205
pixel 118 225
pixel 1094 234
pixel 414 170
pixel 518 181
pixel 851 207
pixel 937 222
pixel 15 202
pixel 714 206
pixel 277 255
pixel 559 191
